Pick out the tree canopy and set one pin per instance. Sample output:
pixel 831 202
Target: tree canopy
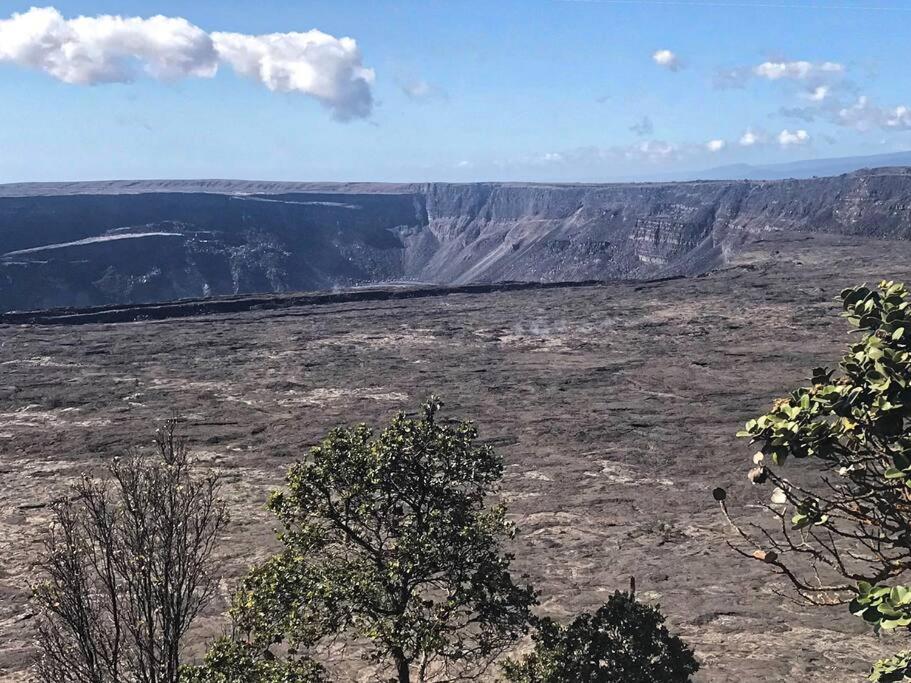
pixel 389 538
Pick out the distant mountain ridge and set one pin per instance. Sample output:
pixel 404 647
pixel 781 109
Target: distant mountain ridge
pixel 806 168
pixel 131 242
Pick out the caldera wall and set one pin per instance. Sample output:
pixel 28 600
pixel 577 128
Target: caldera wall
pixel 82 244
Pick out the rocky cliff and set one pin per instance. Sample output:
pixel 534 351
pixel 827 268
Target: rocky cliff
pixel 86 244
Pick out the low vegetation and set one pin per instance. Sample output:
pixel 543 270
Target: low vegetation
pixel 230 661
pixel 127 568
pixel 390 544
pixel 623 641
pixel 842 531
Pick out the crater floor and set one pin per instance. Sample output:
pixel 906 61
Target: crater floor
pixel 615 407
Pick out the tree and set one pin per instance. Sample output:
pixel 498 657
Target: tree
pixel 624 641
pixel 388 538
pixel 842 533
pixel 127 568
pixel 230 661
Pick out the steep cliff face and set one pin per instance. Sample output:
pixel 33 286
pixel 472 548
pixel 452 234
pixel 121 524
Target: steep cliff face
pixel 103 243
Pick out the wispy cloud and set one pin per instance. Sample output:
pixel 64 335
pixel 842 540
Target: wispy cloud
pixel 811 75
pixel 861 114
pixel 115 49
pixel 819 93
pixel 652 152
pixel 420 90
pixel 798 70
pixel 728 78
pixel 864 115
pixel 643 127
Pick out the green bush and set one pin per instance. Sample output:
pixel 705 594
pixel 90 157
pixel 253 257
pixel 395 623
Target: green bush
pixel 844 536
pixel 625 641
pixel 229 661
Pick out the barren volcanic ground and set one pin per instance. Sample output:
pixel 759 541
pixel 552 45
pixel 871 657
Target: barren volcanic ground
pixel 615 407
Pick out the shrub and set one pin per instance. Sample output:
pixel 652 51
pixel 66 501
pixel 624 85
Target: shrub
pixel 228 661
pixel 625 641
pixel 844 536
pixel 127 568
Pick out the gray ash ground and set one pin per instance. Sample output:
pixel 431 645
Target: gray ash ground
pixel 614 406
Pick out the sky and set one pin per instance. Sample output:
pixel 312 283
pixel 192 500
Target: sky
pixel 445 90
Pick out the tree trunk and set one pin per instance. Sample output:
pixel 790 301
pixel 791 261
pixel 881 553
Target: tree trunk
pixel 402 667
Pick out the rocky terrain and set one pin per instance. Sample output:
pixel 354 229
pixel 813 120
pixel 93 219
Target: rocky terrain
pixel 615 406
pixel 115 243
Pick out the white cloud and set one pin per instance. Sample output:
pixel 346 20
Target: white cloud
pixel 751 138
pixel 864 115
pixel 787 138
pixel 715 145
pixel 861 115
pixel 799 70
pixel 106 49
pixel 667 59
pixel 819 93
pixel 899 117
pixel 115 49
pixel 811 74
pixel 327 68
pixel 652 151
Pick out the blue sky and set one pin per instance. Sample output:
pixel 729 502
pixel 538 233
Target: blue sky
pixel 449 90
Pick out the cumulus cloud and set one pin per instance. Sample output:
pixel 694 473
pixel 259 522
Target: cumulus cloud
pixel 106 49
pixel 787 138
pixel 715 145
pixel 643 127
pixel 751 138
pixel 667 60
pixel 115 49
pixel 327 68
